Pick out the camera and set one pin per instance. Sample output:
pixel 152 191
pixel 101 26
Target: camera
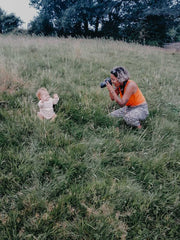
pixel 103 84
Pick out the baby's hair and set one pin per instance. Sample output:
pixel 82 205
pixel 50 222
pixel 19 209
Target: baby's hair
pixel 40 91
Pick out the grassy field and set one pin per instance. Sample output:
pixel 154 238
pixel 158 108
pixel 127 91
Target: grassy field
pixel 87 176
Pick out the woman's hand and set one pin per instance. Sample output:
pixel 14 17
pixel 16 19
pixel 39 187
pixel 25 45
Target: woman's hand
pixel 111 90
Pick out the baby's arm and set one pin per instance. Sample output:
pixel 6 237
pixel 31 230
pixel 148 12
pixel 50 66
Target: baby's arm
pixel 55 99
pixel 40 103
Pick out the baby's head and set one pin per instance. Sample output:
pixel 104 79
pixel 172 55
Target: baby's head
pixel 42 94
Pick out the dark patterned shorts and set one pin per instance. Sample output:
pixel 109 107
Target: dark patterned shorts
pixel 132 115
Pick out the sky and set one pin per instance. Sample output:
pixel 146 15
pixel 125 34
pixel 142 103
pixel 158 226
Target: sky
pixel 20 8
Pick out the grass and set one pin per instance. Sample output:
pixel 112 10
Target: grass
pixel 80 177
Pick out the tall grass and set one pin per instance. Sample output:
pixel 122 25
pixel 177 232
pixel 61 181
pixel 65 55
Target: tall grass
pixel 87 176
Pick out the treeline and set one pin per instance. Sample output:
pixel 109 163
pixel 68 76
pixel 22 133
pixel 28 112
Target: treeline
pixel 152 22
pixel 145 21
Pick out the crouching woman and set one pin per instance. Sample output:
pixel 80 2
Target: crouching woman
pixel 133 106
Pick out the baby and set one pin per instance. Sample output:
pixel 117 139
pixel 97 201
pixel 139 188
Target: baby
pixel 46 104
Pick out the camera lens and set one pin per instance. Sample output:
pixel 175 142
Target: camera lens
pixel 103 84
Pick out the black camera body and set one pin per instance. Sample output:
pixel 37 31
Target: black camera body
pixel 103 84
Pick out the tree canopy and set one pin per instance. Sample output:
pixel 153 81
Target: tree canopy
pixel 147 21
pixel 8 22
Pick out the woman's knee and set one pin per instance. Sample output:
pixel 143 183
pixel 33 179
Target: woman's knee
pixel 131 121
pixel 132 118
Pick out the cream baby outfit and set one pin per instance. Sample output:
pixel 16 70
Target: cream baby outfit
pixel 46 107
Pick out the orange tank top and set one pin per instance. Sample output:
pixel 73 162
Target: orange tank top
pixel 136 99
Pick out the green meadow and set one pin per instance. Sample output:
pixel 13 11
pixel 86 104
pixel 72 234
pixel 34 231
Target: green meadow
pixel 87 176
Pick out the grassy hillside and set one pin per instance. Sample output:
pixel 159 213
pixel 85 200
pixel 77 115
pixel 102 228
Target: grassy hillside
pixel 87 176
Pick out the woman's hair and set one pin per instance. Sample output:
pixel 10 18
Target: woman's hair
pixel 121 74
pixel 41 91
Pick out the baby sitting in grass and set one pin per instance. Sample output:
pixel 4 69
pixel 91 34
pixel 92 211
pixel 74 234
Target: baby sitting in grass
pixel 46 104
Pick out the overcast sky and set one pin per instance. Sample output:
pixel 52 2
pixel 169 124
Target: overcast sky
pixel 20 8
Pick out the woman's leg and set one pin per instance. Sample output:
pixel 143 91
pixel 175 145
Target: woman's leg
pixel 136 114
pixel 121 112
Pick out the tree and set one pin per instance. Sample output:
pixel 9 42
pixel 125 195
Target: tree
pixel 148 21
pixel 1 20
pixel 41 26
pixel 51 11
pixel 9 22
pixel 173 32
pixel 157 19
pixel 74 17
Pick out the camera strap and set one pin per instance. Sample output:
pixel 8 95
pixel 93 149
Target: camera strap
pixel 123 87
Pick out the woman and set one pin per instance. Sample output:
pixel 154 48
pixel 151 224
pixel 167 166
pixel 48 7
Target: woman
pixel 132 102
